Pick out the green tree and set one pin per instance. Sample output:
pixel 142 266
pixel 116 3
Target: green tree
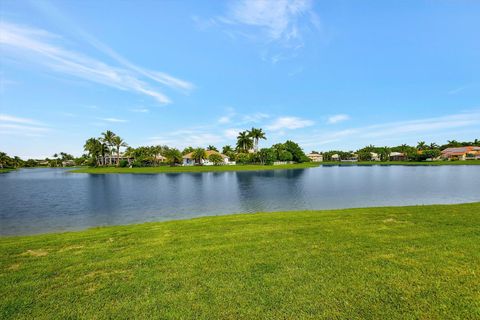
pixel 212 148
pixel 256 135
pixel 187 150
pixel 421 145
pixel 244 141
pixel 107 138
pixel 198 155
pixel 118 143
pixel 216 159
pixel 174 156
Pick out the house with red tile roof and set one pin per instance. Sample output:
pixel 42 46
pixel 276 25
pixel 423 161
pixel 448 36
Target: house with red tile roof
pixel 461 153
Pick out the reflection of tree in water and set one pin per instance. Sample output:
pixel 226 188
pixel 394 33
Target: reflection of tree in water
pixel 258 192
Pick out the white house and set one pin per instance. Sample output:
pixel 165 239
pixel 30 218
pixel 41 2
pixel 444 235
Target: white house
pixel 189 161
pixel 315 157
pixel 335 157
pixel 375 156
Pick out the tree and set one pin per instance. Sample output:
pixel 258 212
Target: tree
pixel 433 145
pixel 107 138
pixel 244 141
pixel 421 145
pixel 55 156
pixel 94 148
pixel 3 160
pixel 285 155
pixel 187 150
pixel 212 148
pixel 216 159
pixel 174 156
pixel 228 151
pixel 256 135
pixel 198 155
pixel 118 143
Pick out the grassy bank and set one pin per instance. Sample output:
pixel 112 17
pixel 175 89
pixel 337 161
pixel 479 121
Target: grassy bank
pixel 378 263
pixel 5 170
pixel 167 169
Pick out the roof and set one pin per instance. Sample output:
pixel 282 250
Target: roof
pixel 396 154
pixel 314 155
pixel 460 150
pixel 207 152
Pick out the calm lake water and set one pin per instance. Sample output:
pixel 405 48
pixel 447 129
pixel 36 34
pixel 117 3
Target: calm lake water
pixel 50 200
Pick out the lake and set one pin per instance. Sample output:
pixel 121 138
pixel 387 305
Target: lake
pixel 51 200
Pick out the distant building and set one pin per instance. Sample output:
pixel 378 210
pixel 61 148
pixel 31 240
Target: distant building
pixel 374 156
pixel 461 153
pixel 397 156
pixel 335 157
pixel 68 163
pixel 189 161
pixel 315 157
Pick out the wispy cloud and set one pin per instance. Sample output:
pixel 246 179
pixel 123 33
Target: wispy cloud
pixel 14 125
pixel 140 110
pixel 395 130
pixel 289 123
pixel 38 46
pixel 114 120
pixel 277 19
pixel 338 118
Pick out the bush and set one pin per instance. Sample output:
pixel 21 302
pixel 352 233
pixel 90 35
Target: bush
pixel 137 164
pixel 242 158
pixel 123 163
pixel 216 159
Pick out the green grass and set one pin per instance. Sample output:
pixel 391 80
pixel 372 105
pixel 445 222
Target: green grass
pixel 167 169
pixel 4 170
pixel 376 263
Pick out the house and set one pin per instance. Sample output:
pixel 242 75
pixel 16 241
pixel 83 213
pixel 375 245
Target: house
pixel 461 153
pixel 68 163
pixel 189 161
pixel 397 156
pixel 335 157
pixel 315 157
pixel 375 156
pixel 114 158
pixel 351 158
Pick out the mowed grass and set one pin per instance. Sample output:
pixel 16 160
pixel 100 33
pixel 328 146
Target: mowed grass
pixel 167 169
pixel 4 170
pixel 419 262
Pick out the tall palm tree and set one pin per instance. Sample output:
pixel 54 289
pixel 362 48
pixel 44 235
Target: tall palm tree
pixel 421 145
pixel 118 143
pixel 256 135
pixel 55 156
pixel 174 156
pixel 244 141
pixel 93 148
pixel 198 155
pixel 107 138
pixel 433 145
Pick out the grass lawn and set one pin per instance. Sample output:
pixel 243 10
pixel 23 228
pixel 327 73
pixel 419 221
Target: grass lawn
pixel 376 263
pixel 5 170
pixel 167 169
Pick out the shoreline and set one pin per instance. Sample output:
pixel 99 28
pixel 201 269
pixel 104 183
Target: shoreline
pixel 233 168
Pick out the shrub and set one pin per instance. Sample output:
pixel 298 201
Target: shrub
pixel 216 159
pixel 123 163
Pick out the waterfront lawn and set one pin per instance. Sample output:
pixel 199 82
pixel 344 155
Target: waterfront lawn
pixel 179 169
pixel 5 170
pixel 169 169
pixel 378 263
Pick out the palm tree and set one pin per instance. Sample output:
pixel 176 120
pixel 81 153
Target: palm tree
pixel 421 145
pixel 212 148
pixel 93 147
pixel 244 141
pixel 453 143
pixel 173 156
pixel 118 143
pixel 107 138
pixel 256 135
pixel 198 155
pixel 433 145
pixel 55 156
pixel 476 143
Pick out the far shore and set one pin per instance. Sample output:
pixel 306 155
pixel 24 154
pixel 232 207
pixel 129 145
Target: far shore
pixel 180 169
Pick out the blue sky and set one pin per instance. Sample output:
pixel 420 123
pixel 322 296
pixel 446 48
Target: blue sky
pixel 328 74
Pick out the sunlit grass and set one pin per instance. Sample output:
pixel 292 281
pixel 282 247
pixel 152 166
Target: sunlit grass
pixel 418 262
